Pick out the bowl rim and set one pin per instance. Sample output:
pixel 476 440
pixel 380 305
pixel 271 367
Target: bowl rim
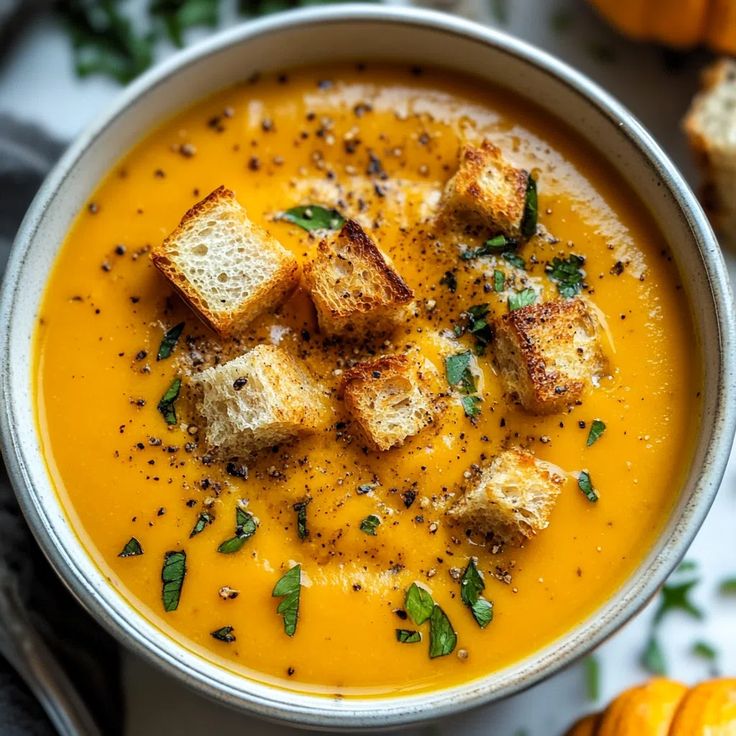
pixel 319 711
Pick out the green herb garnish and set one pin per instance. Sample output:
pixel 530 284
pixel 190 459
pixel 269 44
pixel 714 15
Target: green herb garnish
pixel 494 246
pixel 313 217
pixel 677 598
pixel 705 651
pixel 457 370
pixel 597 428
pixel 245 528
pixel 479 326
pixel 224 634
pixel 499 281
pixel 178 15
pixel 370 524
pixel 172 577
pixel 471 587
pixel 592 677
pixel 166 404
pixel 520 299
pixel 405 636
pixel 450 281
pixel 531 213
pixel 586 486
pixel 418 604
pixel 471 405
pixel 652 658
pixel 567 273
pixel 168 343
pixel 203 521
pixel 289 588
pixel 301 518
pixel 442 637
pixel 132 548
pixel 515 260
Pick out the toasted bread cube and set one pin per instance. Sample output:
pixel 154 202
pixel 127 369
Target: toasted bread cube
pixel 390 398
pixel 711 127
pixel 547 353
pixel 225 267
pixel 354 288
pixel 488 189
pixel 511 499
pixel 259 399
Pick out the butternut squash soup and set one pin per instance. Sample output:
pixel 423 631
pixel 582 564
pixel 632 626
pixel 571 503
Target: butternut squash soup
pixel 365 380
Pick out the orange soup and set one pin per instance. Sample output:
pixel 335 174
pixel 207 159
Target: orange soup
pixel 377 144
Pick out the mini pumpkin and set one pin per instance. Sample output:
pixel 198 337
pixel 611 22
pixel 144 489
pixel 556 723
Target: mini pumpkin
pixel 677 23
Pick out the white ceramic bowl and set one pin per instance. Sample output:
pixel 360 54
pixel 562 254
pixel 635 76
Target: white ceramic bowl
pixel 410 37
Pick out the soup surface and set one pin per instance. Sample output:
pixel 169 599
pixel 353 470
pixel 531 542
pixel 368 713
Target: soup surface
pixel 378 143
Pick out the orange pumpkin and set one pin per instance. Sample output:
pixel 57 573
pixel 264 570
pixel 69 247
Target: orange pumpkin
pixel 708 709
pixel 678 23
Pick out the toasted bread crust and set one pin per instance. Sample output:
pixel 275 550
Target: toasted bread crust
pixel 268 294
pixel 372 303
pixel 547 353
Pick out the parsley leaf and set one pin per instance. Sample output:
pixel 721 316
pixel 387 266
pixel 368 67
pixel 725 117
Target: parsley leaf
pixel 166 404
pixel 178 15
pixel 470 405
pixel 370 524
pixel 677 598
pixel 168 343
pixel 592 677
pixel 203 521
pixel 597 428
pixel 515 260
pixel 499 281
pixel 288 587
pixel 567 273
pixel 405 636
pixel 313 217
pixel 479 326
pixel 494 246
pixel 531 209
pixel 418 604
pixel 520 299
pixel 450 281
pixel 457 370
pixel 471 587
pixel 224 634
pixel 586 486
pixel 132 548
pixel 301 518
pixel 442 637
pixel 652 658
pixel 245 528
pixel 172 577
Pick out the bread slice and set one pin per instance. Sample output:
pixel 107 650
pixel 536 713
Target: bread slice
pixel 226 268
pixel 390 398
pixel 353 286
pixel 711 127
pixel 546 354
pixel 257 400
pixel 512 498
pixel 488 189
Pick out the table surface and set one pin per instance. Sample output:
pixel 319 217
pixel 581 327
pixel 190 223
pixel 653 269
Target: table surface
pixel 37 85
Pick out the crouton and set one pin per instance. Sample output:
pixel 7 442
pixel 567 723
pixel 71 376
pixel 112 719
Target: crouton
pixel 226 268
pixel 354 288
pixel 390 398
pixel 546 354
pixel 711 127
pixel 511 500
pixel 257 400
pixel 488 189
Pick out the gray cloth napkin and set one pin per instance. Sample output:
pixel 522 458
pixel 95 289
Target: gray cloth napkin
pixel 87 655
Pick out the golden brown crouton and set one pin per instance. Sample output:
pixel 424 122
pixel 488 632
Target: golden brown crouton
pixel 547 353
pixel 355 290
pixel 390 398
pixel 711 127
pixel 257 400
pixel 489 189
pixel 226 268
pixel 511 499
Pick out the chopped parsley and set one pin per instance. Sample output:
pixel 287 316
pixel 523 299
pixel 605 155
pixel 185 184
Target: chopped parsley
pixel 442 637
pixel 531 209
pixel 418 604
pixel 471 587
pixel 515 260
pixel 479 326
pixel 597 428
pixel 245 528
pixel 586 486
pixel 450 281
pixel 132 548
pixel 652 658
pixel 405 636
pixel 203 521
pixel 313 217
pixel 168 343
pixel 166 404
pixel 592 677
pixel 499 281
pixel 224 634
pixel 520 299
pixel 494 246
pixel 301 518
pixel 172 577
pixel 676 597
pixel 471 406
pixel 457 370
pixel 288 587
pixel 567 273
pixel 370 524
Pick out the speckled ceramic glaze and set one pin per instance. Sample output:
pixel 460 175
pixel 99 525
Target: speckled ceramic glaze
pixel 368 33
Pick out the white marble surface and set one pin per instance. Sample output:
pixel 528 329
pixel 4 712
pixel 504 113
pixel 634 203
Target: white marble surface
pixel 37 85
